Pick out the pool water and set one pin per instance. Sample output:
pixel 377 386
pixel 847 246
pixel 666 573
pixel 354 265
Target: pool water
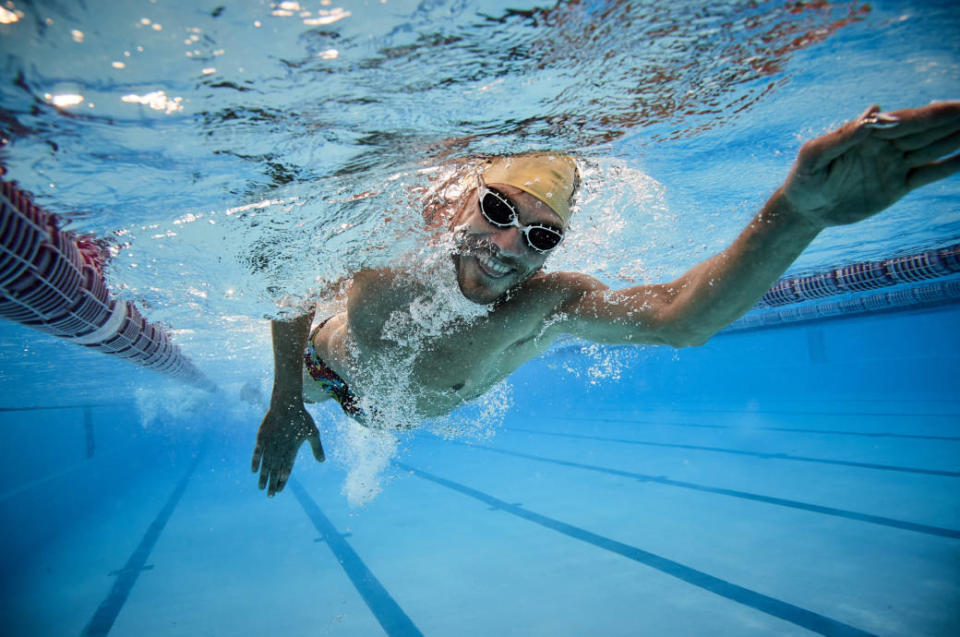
pixel 807 489
pixel 791 480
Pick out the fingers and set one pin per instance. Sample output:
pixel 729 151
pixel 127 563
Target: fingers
pixel 281 473
pixel 880 121
pixel 273 475
pixel 278 463
pixel 915 141
pixel 935 150
pixel 868 114
pixel 273 478
pixel 915 121
pixel 263 462
pixel 926 131
pixel 317 448
pixel 265 457
pixel 276 449
pixel 925 135
pixel 272 488
pixel 264 477
pixel 932 172
pixel 282 479
pixel 257 456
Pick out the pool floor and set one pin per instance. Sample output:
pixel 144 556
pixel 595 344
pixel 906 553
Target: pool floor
pixel 777 520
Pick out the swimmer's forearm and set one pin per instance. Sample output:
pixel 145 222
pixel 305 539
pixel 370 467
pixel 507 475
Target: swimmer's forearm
pixel 289 338
pixel 707 298
pixel 720 290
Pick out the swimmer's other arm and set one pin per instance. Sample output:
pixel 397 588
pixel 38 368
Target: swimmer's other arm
pixel 843 177
pixel 287 423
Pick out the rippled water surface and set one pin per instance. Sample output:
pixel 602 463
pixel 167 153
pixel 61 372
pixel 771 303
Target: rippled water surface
pixel 235 154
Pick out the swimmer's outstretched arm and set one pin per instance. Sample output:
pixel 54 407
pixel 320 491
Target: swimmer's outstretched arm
pixel 287 423
pixel 843 177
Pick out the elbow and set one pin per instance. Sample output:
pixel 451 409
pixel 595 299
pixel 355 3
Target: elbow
pixel 687 338
pixel 697 341
pixel 689 342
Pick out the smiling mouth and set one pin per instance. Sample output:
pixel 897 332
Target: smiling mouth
pixel 492 267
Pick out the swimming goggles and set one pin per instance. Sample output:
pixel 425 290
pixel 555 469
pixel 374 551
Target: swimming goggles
pixel 499 212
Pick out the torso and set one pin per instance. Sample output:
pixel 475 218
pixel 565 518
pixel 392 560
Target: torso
pixel 438 369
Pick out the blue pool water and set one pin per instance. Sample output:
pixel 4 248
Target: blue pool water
pixel 755 486
pixel 792 480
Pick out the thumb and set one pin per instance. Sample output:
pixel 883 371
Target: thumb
pixel 314 440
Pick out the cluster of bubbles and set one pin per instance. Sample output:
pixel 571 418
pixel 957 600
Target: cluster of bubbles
pixel 477 419
pixel 365 453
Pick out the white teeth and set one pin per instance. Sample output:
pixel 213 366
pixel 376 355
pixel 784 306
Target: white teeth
pixel 493 266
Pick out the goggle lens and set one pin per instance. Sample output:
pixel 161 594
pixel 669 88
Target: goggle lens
pixel 543 239
pixel 497 211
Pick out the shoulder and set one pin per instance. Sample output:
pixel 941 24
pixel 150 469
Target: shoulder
pixel 556 293
pixel 373 295
pixel 565 285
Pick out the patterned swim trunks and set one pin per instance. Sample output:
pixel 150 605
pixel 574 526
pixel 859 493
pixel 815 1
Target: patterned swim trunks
pixel 329 381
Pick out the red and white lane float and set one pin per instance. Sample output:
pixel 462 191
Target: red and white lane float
pixel 51 280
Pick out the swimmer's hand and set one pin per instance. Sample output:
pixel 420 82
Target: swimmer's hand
pixel 864 166
pixel 284 428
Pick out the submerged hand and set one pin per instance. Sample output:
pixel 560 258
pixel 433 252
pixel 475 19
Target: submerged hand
pixel 284 428
pixel 864 166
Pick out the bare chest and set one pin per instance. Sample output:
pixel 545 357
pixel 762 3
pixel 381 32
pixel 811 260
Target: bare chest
pixel 472 358
pixel 441 364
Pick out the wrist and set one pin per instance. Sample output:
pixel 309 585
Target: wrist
pixel 286 397
pixel 786 212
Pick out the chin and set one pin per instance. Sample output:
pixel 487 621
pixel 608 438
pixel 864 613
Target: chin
pixel 480 296
pixel 471 285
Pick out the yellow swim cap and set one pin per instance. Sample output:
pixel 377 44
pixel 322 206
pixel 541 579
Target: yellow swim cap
pixel 549 177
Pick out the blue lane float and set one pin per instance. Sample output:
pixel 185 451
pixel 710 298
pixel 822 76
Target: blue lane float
pixel 932 294
pixel 851 290
pixel 862 277
pixel 51 280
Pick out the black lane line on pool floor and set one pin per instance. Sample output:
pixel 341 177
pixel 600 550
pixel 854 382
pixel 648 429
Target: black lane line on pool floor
pixel 837 432
pixel 758 601
pixel 741 452
pixel 801 412
pixel 745 495
pixel 48 407
pixel 391 617
pixel 102 620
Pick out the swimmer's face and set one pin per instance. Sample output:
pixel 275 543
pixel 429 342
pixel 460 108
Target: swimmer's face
pixel 490 261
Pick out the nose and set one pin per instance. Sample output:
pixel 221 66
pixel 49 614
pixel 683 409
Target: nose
pixel 509 240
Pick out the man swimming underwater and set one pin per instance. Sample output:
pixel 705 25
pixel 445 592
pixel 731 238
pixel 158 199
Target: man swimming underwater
pixel 514 217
